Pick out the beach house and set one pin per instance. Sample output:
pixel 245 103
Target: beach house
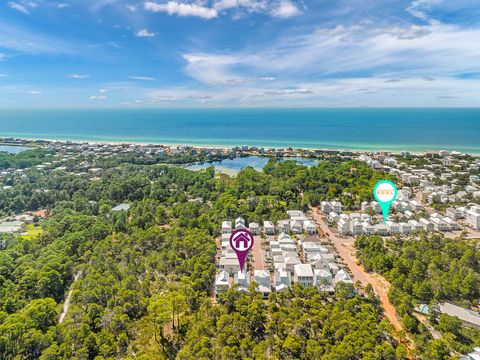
pixel 303 274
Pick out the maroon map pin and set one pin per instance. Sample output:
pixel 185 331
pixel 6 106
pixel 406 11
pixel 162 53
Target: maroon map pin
pixel 241 241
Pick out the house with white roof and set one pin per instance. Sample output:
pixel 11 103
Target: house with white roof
pixel 226 227
pixel 405 228
pixel 291 260
pixel 229 265
pixel 466 316
pixel 310 227
pixel 427 225
pixel 356 227
pixel 416 226
pixel 393 227
pixel 343 227
pixel 322 278
pixel 381 229
pixel 221 282
pixel 303 274
pixel 368 228
pixel 473 219
pixel 333 267
pixel 282 280
pixel 269 228
pixel 242 279
pixel 342 277
pixel 318 262
pixel 439 224
pixel 296 226
pixel 254 228
pixel 284 226
pixel 262 278
pixel 239 223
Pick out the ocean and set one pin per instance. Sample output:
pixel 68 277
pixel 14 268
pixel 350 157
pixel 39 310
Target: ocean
pixel 357 129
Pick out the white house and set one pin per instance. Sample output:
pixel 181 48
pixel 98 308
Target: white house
pixel 226 227
pixel 303 274
pixel 268 228
pixel 343 227
pixel 262 278
pixel 282 280
pixel 473 219
pixel 221 282
pixel 318 262
pixel 229 264
pixel 427 225
pixel 322 278
pixel 309 227
pixel 239 223
pixel 242 279
pixel 254 228
pixel 439 224
pixel 284 226
pixel 342 276
pixel 296 226
pixel 381 229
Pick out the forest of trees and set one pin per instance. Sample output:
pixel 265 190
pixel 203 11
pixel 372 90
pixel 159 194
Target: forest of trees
pixel 145 276
pixel 428 270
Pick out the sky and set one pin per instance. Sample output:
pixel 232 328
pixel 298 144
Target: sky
pixel 239 53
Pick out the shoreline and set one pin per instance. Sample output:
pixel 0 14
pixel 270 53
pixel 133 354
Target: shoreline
pixel 25 141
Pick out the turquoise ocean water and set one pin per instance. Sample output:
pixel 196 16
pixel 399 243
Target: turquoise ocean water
pixel 357 129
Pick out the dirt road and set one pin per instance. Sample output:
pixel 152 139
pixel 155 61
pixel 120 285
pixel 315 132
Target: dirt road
pixel 346 250
pixel 66 304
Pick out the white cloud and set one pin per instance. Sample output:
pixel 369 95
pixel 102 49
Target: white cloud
pixel 131 7
pixel 285 9
pixel 78 76
pixel 252 5
pixel 428 51
pixel 24 40
pixel 144 33
pixel 182 9
pixel 18 7
pixel 98 97
pixel 142 78
pixel 34 92
pixel 289 92
pixel 61 6
pixel 102 91
pixel 267 78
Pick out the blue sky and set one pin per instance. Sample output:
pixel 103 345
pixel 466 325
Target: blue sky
pixel 239 53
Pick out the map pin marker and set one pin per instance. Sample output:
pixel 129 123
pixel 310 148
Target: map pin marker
pixel 385 192
pixel 241 241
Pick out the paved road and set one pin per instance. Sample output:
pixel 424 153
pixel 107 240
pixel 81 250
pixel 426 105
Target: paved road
pixel 346 250
pixel 258 261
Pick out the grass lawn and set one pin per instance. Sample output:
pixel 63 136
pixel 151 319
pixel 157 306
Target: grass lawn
pixel 32 232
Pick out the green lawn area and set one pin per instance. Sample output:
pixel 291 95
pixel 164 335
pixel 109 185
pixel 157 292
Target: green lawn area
pixel 32 232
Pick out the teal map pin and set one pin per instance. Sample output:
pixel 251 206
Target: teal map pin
pixel 385 192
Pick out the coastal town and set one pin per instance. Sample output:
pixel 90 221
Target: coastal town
pixel 438 192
